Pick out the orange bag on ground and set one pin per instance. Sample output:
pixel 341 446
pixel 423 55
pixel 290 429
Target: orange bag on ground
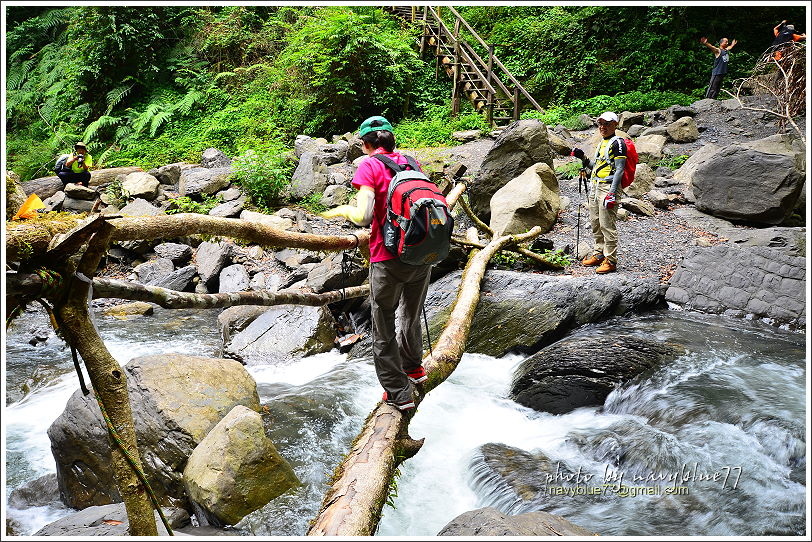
pixel 29 208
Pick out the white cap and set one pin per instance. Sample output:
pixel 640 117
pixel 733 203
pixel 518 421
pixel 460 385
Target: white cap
pixel 608 116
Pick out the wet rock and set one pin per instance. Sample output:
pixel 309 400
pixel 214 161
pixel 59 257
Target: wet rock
pixel 106 520
pixel 236 469
pixel 234 319
pixel 491 522
pixel 175 400
pixel 41 491
pixel 136 308
pixel 177 280
pixel 582 371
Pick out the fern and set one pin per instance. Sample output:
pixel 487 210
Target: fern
pixel 55 17
pixel 142 120
pixel 17 75
pixel 115 96
pixel 158 120
pixel 103 157
pixel 187 102
pixel 102 122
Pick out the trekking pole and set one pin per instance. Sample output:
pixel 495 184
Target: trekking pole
pixel 581 182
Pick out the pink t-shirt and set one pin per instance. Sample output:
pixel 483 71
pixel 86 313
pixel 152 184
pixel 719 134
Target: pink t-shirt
pixel 373 173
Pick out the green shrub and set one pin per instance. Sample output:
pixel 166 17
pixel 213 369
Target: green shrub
pixel 672 162
pixel 436 126
pixel 264 174
pixel 185 204
pixel 312 202
pixel 569 170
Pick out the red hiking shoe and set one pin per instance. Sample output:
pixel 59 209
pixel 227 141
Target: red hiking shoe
pixel 408 405
pixel 418 375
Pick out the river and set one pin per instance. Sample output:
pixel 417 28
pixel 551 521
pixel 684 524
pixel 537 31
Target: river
pixel 732 407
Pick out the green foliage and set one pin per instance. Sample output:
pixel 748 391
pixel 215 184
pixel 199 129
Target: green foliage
pixel 569 170
pixel 312 202
pixel 117 194
pixel 672 162
pixel 557 257
pixel 185 204
pixel 436 126
pixel 264 174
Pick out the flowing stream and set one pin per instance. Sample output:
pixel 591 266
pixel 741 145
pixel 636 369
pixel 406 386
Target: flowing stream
pixel 733 408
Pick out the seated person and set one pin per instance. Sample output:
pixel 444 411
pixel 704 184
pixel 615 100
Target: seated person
pixel 77 166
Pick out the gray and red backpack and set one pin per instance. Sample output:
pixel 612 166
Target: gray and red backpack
pixel 418 224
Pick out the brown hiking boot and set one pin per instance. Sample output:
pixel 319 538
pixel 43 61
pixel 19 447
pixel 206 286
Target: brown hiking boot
pixel 593 260
pixel 606 267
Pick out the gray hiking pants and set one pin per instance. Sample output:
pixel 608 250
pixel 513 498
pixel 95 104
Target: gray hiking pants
pixel 397 286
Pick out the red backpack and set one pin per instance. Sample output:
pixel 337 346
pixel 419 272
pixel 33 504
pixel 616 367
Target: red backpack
pixel 418 225
pixel 631 160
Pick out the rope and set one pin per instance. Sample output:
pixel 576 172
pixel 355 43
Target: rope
pixel 136 468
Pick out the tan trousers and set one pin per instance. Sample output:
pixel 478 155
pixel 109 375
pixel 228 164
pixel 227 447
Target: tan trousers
pixel 603 220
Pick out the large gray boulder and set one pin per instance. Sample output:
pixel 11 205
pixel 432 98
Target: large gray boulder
pixel 331 275
pixel 531 199
pixel 283 333
pixel 234 278
pixel 178 280
pixel 683 130
pixel 54 203
pixel 650 148
pixel 106 520
pixel 197 181
pixel 154 270
pixel 210 260
pixel 763 282
pixel 491 522
pixel 214 158
pixel 77 191
pixel 228 209
pixel 583 370
pixel 140 207
pixel 643 181
pixel 628 119
pixel 77 205
pixel 170 173
pixel 685 173
pixel 141 185
pixel 103 177
pixel 758 182
pixel 311 175
pixel 527 322
pixel 236 469
pixel 522 144
pixel 177 252
pixel 234 319
pixel 176 400
pixel 42 491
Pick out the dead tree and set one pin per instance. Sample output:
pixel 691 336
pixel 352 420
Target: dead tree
pixel 353 504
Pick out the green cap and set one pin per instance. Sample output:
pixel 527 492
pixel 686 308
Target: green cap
pixel 373 124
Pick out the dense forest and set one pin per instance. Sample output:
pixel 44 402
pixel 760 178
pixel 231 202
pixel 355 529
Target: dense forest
pixel 154 85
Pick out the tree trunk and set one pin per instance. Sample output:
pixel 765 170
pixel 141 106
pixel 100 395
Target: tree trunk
pixel 353 504
pixel 110 383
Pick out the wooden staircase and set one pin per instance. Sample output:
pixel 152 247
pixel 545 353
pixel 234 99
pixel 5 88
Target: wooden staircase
pixel 485 82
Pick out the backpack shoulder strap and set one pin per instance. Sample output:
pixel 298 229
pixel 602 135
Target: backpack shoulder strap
pixel 389 163
pixel 412 162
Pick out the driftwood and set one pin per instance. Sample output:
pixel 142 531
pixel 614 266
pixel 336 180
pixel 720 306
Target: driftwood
pixel 353 504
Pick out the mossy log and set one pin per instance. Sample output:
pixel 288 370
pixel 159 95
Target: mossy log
pixel 30 238
pixel 353 504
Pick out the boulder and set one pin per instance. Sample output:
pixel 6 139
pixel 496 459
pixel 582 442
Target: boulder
pixel 170 174
pixel 706 105
pixel 201 180
pixel 213 158
pixel 236 469
pixel 273 221
pixel 140 207
pixel 42 491
pixel 356 149
pixel 333 153
pixel 638 207
pixel 234 278
pixel 176 400
pixel 676 112
pixel 655 130
pixel 522 144
pixel 311 176
pixel 149 272
pixel 757 182
pixel 331 275
pixel 234 319
pixel 683 130
pixel 636 130
pixel 44 187
pixel 643 181
pixel 627 119
pixel 685 173
pixel 304 144
pixel 650 148
pixel 771 286
pixel 558 144
pixel 141 185
pixel 491 522
pixel 77 191
pixel 283 333
pixel 582 371
pixel 136 308
pixel 230 195
pixel 507 319
pixel 106 520
pixel 465 136
pixel 529 200
pixel 335 195
pixel 54 203
pixel 77 205
pixel 210 260
pixel 265 281
pixel 228 209
pixel 659 199
pixel 177 252
pixel 177 280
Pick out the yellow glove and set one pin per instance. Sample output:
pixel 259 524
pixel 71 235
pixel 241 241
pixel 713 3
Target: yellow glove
pixel 361 215
pixel 341 210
